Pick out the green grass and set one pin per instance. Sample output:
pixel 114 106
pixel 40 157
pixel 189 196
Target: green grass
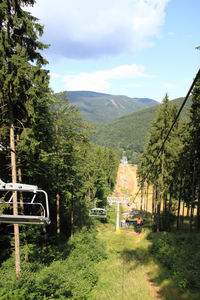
pixel 130 271
pixel 121 276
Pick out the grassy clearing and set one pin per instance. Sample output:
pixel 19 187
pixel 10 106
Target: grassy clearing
pixel 122 275
pixel 130 271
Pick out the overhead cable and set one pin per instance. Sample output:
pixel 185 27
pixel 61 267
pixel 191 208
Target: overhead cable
pixel 175 119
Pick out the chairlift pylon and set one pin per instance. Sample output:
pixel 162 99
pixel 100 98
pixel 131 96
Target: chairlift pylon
pixel 22 218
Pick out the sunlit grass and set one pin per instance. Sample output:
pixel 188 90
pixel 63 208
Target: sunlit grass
pixel 122 275
pixel 130 272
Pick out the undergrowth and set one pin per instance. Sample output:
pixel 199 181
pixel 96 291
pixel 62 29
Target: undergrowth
pixel 180 253
pixel 72 277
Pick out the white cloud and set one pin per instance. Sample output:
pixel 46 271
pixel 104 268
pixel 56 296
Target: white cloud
pixel 100 81
pixel 170 86
pixel 131 85
pixel 91 28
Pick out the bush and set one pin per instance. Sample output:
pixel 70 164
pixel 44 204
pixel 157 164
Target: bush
pixel 181 255
pixel 73 277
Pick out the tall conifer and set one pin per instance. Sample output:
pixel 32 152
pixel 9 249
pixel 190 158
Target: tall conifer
pixel 20 73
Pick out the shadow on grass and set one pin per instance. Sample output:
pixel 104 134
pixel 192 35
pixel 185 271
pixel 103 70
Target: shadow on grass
pixel 161 274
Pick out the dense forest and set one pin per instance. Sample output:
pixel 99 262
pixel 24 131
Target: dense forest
pixel 45 142
pixel 91 105
pixel 169 169
pixel 128 134
pixel 172 168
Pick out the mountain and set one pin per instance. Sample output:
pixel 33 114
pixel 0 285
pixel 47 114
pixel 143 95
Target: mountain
pixel 103 108
pixel 129 132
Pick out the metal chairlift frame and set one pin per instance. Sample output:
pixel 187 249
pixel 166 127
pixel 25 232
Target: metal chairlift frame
pixel 24 219
pixel 96 212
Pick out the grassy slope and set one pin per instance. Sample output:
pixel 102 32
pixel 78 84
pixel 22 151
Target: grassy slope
pixel 121 275
pixel 130 271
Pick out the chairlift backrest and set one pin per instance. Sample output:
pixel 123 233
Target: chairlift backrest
pixel 42 218
pixel 98 213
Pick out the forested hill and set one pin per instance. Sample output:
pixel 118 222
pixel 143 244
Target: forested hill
pixel 103 108
pixel 129 132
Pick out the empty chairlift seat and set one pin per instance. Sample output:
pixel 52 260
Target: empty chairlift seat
pixel 98 213
pixel 33 207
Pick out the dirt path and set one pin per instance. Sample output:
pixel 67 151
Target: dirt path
pixel 124 274
pixel 126 181
pixel 126 185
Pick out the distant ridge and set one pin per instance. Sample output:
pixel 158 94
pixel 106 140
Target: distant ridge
pixel 129 132
pixel 103 108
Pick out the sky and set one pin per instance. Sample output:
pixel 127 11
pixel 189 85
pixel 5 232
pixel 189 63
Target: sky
pixel 136 48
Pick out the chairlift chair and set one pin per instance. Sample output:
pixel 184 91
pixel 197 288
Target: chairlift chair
pixel 41 218
pixel 98 213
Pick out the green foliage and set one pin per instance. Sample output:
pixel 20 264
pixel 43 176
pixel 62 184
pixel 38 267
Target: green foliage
pixel 103 108
pixel 130 132
pixel 72 277
pixel 181 255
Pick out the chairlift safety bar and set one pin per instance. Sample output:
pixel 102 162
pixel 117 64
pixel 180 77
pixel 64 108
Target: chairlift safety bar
pixel 24 219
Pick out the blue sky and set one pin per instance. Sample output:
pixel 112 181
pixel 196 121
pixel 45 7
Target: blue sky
pixel 137 48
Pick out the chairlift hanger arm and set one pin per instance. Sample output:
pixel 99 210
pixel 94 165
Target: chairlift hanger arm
pixel 18 187
pixel 24 219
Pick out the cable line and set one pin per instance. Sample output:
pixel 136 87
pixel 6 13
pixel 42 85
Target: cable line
pixel 175 119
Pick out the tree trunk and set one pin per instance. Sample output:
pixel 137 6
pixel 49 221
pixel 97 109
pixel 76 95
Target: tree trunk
pixel 22 208
pixel 158 210
pixel 198 209
pixel 188 209
pixel 165 202
pixel 183 212
pixel 57 195
pixel 72 219
pixel 14 180
pixel 58 213
pixel 72 224
pixel 153 205
pixel 179 205
pixel 141 199
pixel 193 195
pixel 169 211
pixel 147 195
pixel 19 172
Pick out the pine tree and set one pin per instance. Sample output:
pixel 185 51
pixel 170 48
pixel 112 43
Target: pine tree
pixel 159 171
pixel 194 154
pixel 20 72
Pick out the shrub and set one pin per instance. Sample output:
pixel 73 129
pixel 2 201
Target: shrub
pixel 73 277
pixel 181 255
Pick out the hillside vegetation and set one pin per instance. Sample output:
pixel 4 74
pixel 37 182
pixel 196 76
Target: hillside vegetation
pixel 103 108
pixel 129 132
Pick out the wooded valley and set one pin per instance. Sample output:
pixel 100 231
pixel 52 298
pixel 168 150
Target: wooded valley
pixel 44 142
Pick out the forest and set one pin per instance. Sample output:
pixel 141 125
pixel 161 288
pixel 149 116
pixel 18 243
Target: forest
pixel 45 142
pixel 137 126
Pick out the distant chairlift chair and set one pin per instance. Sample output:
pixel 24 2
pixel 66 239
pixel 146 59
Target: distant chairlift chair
pixel 23 217
pixel 97 212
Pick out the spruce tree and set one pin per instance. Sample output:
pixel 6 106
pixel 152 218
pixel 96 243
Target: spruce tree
pixel 159 171
pixel 194 151
pixel 20 73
